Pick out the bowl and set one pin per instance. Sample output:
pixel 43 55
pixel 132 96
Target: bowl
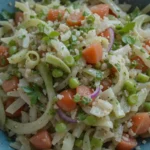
pixel 9 6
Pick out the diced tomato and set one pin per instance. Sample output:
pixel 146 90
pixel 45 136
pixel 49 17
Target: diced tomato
pixel 11 84
pixel 42 53
pixel 106 83
pixel 147 43
pixel 8 102
pixel 112 13
pixel 127 143
pixel 75 19
pixel 101 9
pixel 84 90
pixel 67 103
pixel 41 140
pixel 3 56
pixel 93 53
pixel 18 17
pixel 140 63
pixel 55 14
pixel 105 34
pixel 140 123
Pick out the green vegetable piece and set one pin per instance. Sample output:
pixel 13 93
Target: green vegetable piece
pixel 127 39
pixel 147 106
pixel 90 120
pixel 56 73
pixel 128 27
pixel 136 12
pixel 61 127
pixel 57 62
pixel 142 78
pixel 34 93
pixel 54 34
pixel 96 143
pixel 93 72
pixel 73 83
pixel 90 19
pixel 78 143
pixel 130 86
pixel 132 99
pixel 12 43
pixel 12 50
pixel 77 98
pixel 148 72
pixel 69 60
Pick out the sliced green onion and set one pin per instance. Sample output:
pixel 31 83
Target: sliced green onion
pixel 78 143
pixel 96 143
pixel 132 99
pixel 69 60
pixel 56 73
pixel 90 120
pixel 130 86
pixel 12 50
pixel 142 78
pixel 147 106
pixel 73 83
pixel 60 127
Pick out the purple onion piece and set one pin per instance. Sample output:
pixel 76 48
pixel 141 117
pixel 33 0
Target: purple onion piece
pixel 112 37
pixel 95 93
pixel 65 117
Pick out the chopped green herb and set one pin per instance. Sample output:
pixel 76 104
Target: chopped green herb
pixel 78 143
pixel 129 26
pixel 81 116
pixel 12 43
pixel 86 100
pixel 134 64
pixel 136 12
pixel 127 39
pixel 41 27
pixel 99 75
pixel 90 19
pixel 5 15
pixel 85 13
pixel 96 143
pixel 77 98
pixel 118 66
pixel 33 92
pixel 90 120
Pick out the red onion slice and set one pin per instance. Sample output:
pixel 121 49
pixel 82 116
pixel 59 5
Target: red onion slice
pixel 65 117
pixel 112 36
pixel 95 93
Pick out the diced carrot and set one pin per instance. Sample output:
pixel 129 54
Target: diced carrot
pixel 67 103
pixel 106 83
pixel 55 14
pixel 140 123
pixel 105 34
pixel 8 102
pixel 140 64
pixel 41 140
pixel 18 17
pixel 3 56
pixel 75 19
pixel 11 84
pixel 127 143
pixel 93 53
pixel 101 9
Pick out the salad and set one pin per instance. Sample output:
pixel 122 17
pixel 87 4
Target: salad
pixel 75 75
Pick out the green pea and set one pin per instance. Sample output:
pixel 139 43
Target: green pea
pixel 132 99
pixel 69 60
pixel 90 120
pixel 60 127
pixel 56 73
pixel 130 86
pixel 73 83
pixel 147 106
pixel 142 78
pixel 96 143
pixel 12 50
pixel 78 143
